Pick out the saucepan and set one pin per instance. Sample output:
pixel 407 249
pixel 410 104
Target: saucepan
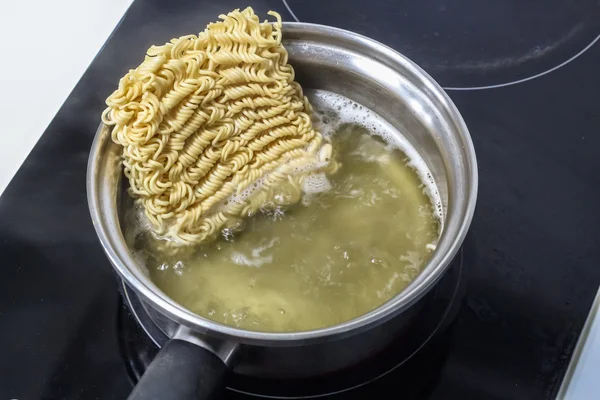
pixel 195 362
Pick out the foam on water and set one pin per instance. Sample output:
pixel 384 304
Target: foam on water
pixel 315 183
pixel 331 111
pixel 334 110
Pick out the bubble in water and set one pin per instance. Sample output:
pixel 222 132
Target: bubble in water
pixel 179 267
pixel 379 262
pixel 316 183
pixel 163 267
pixel 273 213
pixel 228 235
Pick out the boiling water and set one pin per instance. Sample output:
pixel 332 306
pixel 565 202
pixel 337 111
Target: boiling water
pixel 356 239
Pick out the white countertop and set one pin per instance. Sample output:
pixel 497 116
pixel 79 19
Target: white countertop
pixel 582 378
pixel 64 36
pixel 46 48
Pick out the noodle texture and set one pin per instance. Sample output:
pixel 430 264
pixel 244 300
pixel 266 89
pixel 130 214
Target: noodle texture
pixel 214 127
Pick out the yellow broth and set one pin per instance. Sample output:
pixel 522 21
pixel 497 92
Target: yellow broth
pixel 330 258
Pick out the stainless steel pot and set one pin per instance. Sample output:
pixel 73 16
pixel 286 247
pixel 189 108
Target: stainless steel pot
pixel 194 362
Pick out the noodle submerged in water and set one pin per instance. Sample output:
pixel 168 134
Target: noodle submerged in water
pixel 213 127
pixel 218 139
pixel 331 257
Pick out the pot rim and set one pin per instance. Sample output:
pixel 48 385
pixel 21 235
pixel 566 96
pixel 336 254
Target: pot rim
pixel 403 300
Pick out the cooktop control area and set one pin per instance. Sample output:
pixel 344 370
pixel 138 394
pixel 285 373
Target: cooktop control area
pixel 523 75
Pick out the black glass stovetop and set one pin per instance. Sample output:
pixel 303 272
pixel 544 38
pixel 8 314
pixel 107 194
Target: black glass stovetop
pixel 524 76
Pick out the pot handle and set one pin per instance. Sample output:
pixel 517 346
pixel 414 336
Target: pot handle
pixel 182 371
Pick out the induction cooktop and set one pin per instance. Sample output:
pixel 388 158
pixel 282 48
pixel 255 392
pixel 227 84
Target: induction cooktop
pixel 523 75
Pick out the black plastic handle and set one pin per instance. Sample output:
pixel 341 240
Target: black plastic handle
pixel 182 371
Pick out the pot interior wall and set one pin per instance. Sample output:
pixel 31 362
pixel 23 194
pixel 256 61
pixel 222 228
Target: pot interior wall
pixel 386 91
